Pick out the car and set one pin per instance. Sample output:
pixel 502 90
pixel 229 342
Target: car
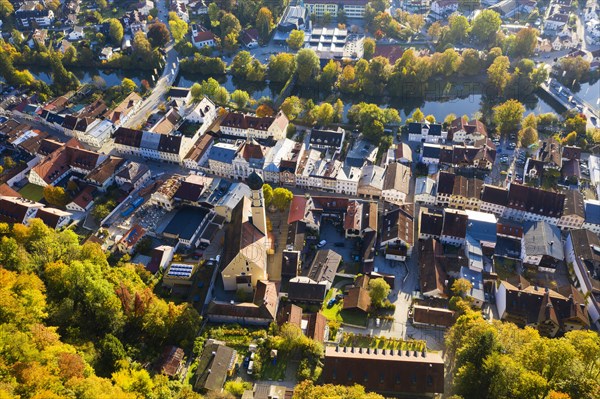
pixel 377 322
pixel 321 244
pixel 250 367
pixel 246 361
pixel 331 302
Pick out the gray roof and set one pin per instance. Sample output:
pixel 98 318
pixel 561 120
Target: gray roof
pixel 324 266
pixel 592 212
pixel 222 153
pixel 542 238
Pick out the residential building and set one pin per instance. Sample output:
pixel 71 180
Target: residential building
pixel 84 200
pixel 493 199
pixel 401 153
pixel 204 112
pixel 426 132
pixel 454 230
pixel 362 152
pixel 549 311
pixel 360 218
pixel 444 7
pixel 433 280
pixel 388 372
pixel 425 190
pixel 352 8
pixel 251 126
pixel 17 210
pixel 396 183
pixel 371 181
pixel 574 211
pixel 327 140
pixel 133 176
pixel 179 276
pixel 216 363
pixel 592 216
pixel 468 132
pixel 542 246
pixel 130 239
pixel 103 175
pixel 126 108
pixel 151 145
pixel 534 204
pixel 432 317
pixel 29 14
pixel 430 224
pixel 54 218
pixel 198 155
pixel 204 38
pixel 358 299
pixel 397 231
pixel 458 192
pixel 262 311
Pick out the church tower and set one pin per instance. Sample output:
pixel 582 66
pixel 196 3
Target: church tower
pixel 259 219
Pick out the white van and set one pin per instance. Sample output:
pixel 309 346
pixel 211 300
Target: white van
pixel 321 244
pixel 250 367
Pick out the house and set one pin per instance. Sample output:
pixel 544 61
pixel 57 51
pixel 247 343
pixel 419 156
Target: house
pixel 249 38
pixel 106 54
pixel 432 317
pixel 362 152
pixel 133 176
pixel 401 153
pixel 126 108
pixel 462 131
pixel 267 391
pixel 245 253
pixel 327 140
pixel 171 361
pixel 84 200
pixel 396 183
pixel 426 132
pixel 17 210
pixel 549 311
pixel 458 192
pixel 160 257
pixel 370 184
pixel 444 7
pixel 180 93
pixel 582 250
pixel 387 372
pixel 152 145
pixel 592 216
pixel 145 6
pixel 313 325
pixel 542 246
pixel 312 287
pixel 98 134
pixel 431 154
pixel 352 8
pixel 216 363
pixel 130 239
pixel 30 14
pixel 54 218
pixel 454 230
pixel 425 190
pixel 550 154
pixel 430 224
pixel 493 199
pixel 358 298
pixel 476 293
pixel 555 21
pixel 360 218
pixel 433 280
pixel 204 112
pixel 262 311
pixel 574 211
pixel 76 33
pixel 397 230
pixel 178 277
pixel 534 204
pixel 198 155
pixel 103 175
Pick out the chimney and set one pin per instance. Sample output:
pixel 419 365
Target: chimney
pixel 369 350
pixel 375 351
pixel 359 349
pixel 423 353
pixel 415 354
pixel 352 349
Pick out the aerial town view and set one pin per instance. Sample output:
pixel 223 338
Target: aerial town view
pixel 299 199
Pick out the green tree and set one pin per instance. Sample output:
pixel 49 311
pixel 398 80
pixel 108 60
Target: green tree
pixel 115 31
pixel 379 290
pixel 240 64
pixel 281 67
pixel 6 8
pixel 9 163
pixel 461 287
pixel 128 86
pixel 508 115
pixel 418 115
pixel 485 26
pixel 572 69
pixel 292 107
pixel 524 42
pixel 498 73
pixel 56 196
pixel 179 27
pixel 268 194
pixel 530 121
pixel 369 48
pixel 230 24
pixel 282 197
pixel 221 95
pixel 458 29
pixel 330 73
pixel 471 63
pixel 296 39
pixel 264 22
pixel 230 43
pixel 158 34
pixel 323 114
pixel 435 31
pixel 307 390
pixel 196 92
pixel 240 98
pixel 338 109
pixel 307 66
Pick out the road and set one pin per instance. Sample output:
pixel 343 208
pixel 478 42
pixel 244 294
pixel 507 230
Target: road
pixel 169 74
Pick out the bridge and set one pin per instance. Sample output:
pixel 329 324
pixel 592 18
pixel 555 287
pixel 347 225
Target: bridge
pixel 567 99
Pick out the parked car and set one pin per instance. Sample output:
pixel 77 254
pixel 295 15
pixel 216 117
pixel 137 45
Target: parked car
pixel 321 244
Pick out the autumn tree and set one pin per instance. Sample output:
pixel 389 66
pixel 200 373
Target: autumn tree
pixel 6 8
pixel 264 22
pixel 296 39
pixel 264 110
pixel 178 27
pixel 498 73
pixel 56 196
pixel 128 86
pixel 485 26
pixel 323 114
pixel 307 66
pixel 508 115
pixel 281 67
pixel 330 73
pixel 292 107
pixel 268 194
pixel 158 34
pixel 528 136
pixel 369 48
pixel 282 197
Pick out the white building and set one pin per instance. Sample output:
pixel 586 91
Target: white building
pixel 425 190
pixel 98 134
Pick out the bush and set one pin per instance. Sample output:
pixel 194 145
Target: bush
pixel 237 388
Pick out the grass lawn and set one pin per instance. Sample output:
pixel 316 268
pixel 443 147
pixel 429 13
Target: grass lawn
pixel 275 371
pixel 336 313
pixel 505 269
pixel 32 192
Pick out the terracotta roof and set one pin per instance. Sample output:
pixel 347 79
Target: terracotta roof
pixel 535 200
pixel 202 145
pixel 289 313
pixel 59 162
pixel 455 223
pixel 316 326
pixel 433 316
pixel 124 107
pixel 50 216
pixel 494 195
pixel 85 197
pixel 571 152
pixel 431 224
pixel 432 274
pixel 7 191
pixel 297 208
pixel 132 236
pixel 105 170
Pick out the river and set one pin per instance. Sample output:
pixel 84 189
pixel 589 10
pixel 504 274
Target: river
pixel 458 101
